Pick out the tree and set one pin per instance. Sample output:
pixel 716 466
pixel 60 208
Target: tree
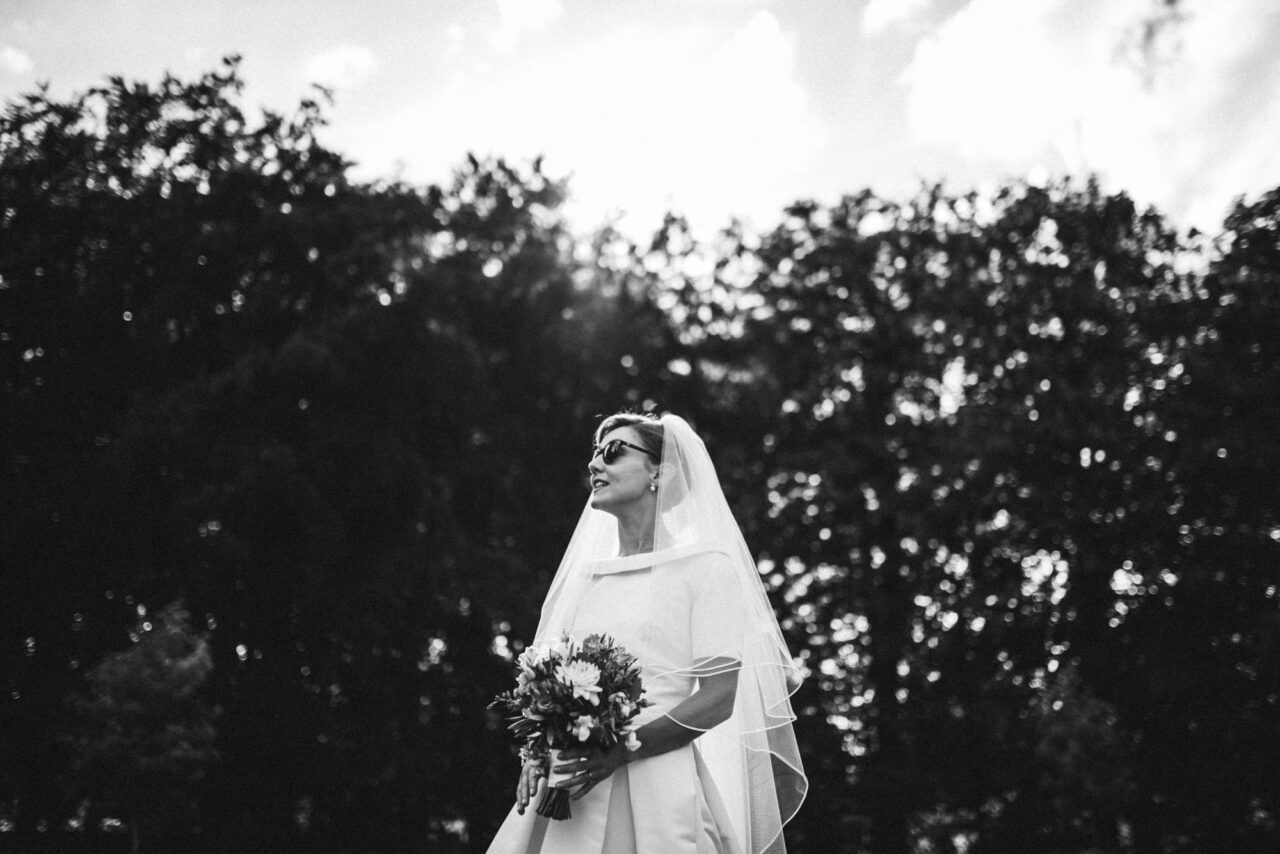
pixel 1200 690
pixel 968 408
pixel 144 739
pixel 331 417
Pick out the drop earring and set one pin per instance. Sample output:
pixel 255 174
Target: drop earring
pixel 653 486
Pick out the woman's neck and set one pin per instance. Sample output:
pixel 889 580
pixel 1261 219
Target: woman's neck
pixel 635 533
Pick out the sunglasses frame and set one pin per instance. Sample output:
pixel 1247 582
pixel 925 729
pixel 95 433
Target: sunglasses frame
pixel 608 457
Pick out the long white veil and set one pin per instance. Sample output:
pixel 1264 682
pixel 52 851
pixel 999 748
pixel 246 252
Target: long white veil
pixel 753 756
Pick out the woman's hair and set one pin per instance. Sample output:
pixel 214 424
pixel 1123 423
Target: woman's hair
pixel 645 424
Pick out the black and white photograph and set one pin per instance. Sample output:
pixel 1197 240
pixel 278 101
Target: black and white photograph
pixel 652 427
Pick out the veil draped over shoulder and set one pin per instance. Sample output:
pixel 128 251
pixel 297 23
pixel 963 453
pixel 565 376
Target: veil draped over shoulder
pixel 753 756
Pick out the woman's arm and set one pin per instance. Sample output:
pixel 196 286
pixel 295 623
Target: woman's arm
pixel 710 705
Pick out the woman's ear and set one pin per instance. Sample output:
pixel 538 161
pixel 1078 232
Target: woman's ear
pixel 654 471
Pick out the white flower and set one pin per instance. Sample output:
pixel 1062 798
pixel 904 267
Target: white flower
pixel 583 677
pixel 560 650
pixel 582 727
pixel 633 743
pixel 531 658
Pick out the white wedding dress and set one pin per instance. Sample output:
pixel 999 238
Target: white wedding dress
pixel 666 804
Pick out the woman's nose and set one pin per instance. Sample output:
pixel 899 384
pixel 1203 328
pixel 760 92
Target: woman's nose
pixel 595 466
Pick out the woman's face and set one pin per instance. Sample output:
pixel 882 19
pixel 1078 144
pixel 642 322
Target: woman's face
pixel 623 483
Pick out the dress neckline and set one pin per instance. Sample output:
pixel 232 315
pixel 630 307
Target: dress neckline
pixel 644 560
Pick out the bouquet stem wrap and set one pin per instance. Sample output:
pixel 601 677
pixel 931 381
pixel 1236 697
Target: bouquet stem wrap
pixel 555 797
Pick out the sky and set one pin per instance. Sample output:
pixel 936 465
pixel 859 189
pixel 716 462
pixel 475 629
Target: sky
pixel 723 109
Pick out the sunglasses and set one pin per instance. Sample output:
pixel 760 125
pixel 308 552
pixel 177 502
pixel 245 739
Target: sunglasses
pixel 611 450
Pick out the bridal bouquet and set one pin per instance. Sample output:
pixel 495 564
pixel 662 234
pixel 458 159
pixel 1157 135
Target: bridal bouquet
pixel 572 694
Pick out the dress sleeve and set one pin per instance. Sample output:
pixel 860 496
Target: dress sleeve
pixel 715 616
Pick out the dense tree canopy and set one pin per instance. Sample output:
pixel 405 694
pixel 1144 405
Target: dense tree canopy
pixel 1007 463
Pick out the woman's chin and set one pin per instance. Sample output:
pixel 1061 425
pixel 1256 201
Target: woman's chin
pixel 600 500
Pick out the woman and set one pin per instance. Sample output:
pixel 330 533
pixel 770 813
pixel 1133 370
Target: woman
pixel 658 563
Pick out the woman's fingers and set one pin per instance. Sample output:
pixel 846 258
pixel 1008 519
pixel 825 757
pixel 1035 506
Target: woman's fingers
pixel 573 764
pixel 586 772
pixel 588 777
pixel 535 786
pixel 578 768
pixel 527 788
pixel 591 784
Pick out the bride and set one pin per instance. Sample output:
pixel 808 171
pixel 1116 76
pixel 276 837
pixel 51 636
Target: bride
pixel 658 563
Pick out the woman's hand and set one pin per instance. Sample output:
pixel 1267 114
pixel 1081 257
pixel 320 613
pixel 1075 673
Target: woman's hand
pixel 592 766
pixel 531 777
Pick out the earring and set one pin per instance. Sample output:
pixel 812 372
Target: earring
pixel 653 486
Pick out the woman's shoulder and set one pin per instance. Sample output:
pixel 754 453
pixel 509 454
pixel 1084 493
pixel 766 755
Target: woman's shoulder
pixel 697 555
pixel 697 569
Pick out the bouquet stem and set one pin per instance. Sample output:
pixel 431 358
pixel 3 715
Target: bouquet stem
pixel 555 798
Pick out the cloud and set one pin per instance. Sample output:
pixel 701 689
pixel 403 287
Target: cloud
pixel 15 61
pixel 456 37
pixel 342 68
pixel 880 15
pixel 516 17
pixel 708 132
pixel 1053 85
pixel 645 120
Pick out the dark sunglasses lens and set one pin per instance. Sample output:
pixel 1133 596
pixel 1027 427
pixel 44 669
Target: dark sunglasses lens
pixel 611 451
